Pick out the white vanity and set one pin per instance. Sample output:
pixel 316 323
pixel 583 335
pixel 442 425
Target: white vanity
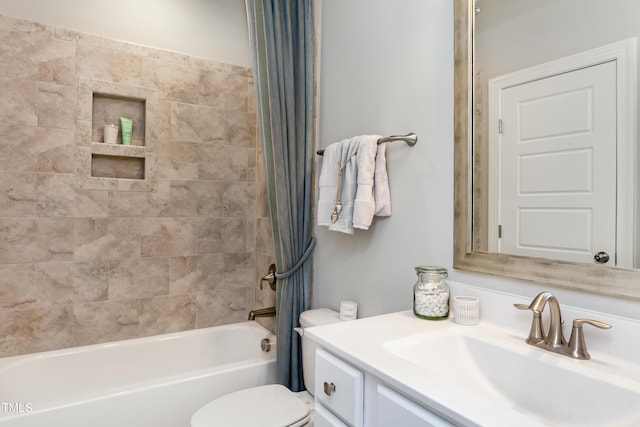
pixel 400 370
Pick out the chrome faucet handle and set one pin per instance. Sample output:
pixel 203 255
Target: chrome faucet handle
pixel 577 346
pixel 536 333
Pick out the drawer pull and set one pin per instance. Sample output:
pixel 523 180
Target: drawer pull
pixel 329 388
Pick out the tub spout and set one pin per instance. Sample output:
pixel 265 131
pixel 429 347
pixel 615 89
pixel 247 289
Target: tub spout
pixel 262 312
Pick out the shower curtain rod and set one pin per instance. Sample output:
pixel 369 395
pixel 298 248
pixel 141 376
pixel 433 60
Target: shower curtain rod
pixel 410 138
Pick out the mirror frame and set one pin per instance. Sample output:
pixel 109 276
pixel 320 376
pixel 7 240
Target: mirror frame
pixel 615 281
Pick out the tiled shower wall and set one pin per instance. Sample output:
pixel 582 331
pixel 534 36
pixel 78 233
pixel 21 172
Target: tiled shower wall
pixel 80 265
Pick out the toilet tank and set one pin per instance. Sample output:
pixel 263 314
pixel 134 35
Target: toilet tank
pixel 309 318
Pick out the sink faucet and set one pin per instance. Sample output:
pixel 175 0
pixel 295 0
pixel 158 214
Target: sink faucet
pixel 554 340
pixel 555 337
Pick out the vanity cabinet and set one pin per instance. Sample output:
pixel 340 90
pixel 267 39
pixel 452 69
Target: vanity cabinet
pixel 393 409
pixel 323 417
pixel 339 388
pixel 346 395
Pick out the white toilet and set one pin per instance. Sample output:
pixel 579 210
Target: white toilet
pixel 270 405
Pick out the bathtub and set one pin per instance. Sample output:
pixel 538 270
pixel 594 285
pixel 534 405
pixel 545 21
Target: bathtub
pixel 157 381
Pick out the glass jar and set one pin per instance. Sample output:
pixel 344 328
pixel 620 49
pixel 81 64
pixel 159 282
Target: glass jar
pixel 431 293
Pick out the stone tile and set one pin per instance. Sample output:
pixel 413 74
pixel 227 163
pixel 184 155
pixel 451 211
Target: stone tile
pixel 206 64
pixel 197 198
pixel 251 101
pixel 57 106
pixel 106 238
pixel 37 57
pixel 18 194
pixel 225 163
pixel 72 282
pixel 196 273
pixel 41 328
pixel 251 235
pixel 269 323
pixel 105 321
pixel 172 313
pixel 178 160
pixel 147 52
pixel 224 90
pixel 194 123
pixel 262 197
pixel 222 235
pixel 162 128
pixel 264 237
pixel 109 66
pixel 221 307
pixel 19 101
pixel 239 270
pixel 138 278
pixel 239 200
pixel 241 129
pixel 138 204
pixel 18 288
pixel 58 196
pixel 35 240
pixel 168 237
pixel 24 26
pixel 175 82
pixel 35 149
pixel 78 37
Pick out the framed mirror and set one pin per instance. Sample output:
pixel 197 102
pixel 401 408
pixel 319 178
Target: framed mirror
pixel 469 252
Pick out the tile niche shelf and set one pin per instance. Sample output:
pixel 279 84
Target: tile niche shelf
pixel 104 166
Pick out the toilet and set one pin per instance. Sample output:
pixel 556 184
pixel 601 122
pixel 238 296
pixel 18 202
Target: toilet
pixel 271 405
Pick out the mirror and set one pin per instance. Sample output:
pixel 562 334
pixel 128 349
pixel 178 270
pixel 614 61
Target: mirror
pixel 469 253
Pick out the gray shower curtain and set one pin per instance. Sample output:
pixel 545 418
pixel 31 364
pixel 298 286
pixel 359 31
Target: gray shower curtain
pixel 282 40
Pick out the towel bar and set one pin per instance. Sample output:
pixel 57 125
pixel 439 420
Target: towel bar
pixel 410 138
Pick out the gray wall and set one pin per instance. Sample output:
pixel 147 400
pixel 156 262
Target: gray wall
pixel 387 68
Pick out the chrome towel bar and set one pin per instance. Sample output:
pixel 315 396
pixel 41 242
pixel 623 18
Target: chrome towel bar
pixel 410 138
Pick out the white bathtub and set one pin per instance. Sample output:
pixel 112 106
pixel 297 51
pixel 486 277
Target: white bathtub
pixel 157 381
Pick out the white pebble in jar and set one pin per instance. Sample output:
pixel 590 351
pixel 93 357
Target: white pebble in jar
pixel 431 305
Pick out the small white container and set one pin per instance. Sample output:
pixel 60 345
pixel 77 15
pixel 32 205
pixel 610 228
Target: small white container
pixel 348 310
pixel 110 134
pixel 466 310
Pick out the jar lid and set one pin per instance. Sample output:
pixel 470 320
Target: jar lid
pixel 431 269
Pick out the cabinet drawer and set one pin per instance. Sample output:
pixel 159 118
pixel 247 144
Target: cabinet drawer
pixel 322 417
pixel 393 409
pixel 339 387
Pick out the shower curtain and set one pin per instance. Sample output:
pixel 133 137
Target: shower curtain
pixel 282 40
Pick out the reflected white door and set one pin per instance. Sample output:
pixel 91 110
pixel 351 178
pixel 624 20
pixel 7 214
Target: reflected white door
pixel 558 166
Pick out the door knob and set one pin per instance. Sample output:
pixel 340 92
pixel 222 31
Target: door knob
pixel 601 257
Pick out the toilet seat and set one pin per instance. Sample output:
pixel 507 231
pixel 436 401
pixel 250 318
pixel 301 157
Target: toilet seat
pixel 266 406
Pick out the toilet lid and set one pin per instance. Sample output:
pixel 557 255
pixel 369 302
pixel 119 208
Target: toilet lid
pixel 266 406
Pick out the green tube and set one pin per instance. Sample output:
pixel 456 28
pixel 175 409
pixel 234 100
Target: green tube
pixel 127 130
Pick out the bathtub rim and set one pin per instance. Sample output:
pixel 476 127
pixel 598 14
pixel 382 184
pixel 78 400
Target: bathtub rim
pixel 9 361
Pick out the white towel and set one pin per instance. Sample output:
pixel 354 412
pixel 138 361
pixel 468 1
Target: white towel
pixel 346 153
pixel 364 184
pixel 365 206
pixel 327 183
pixel 381 192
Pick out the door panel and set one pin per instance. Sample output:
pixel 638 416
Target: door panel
pixel 558 164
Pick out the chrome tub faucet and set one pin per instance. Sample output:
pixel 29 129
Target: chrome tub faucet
pixel 554 340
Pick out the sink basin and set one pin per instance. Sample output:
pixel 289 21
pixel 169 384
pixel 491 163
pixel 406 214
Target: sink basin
pixel 551 388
